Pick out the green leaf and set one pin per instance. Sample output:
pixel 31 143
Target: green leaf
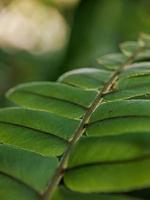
pixel 143 56
pixel 53 97
pixel 108 177
pixel 48 135
pixel 18 168
pixel 120 125
pixel 130 47
pixel 136 69
pixel 65 194
pixel 109 150
pixel 144 40
pixel 129 94
pixel 112 61
pixel 10 189
pixel 121 108
pixel 133 82
pixel 113 158
pixel 87 78
pixel 135 76
pixel 50 124
pixel 120 118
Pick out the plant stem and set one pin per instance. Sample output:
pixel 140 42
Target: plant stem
pixel 79 132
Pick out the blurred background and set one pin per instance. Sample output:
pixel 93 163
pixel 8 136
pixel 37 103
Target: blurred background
pixel 41 39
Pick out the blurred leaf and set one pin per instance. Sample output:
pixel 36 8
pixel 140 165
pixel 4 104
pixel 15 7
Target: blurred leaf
pixel 94 32
pixel 130 47
pixel 100 25
pixel 112 61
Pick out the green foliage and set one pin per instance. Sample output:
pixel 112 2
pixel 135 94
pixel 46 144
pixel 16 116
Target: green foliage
pixel 80 137
pixel 100 25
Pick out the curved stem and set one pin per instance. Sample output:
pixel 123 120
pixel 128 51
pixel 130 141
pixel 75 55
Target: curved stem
pixel 108 87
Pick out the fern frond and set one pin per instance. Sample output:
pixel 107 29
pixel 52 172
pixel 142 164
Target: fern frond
pixel 83 136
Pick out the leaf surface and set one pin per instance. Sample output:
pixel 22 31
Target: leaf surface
pixel 64 194
pixel 88 78
pixel 18 169
pixel 53 97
